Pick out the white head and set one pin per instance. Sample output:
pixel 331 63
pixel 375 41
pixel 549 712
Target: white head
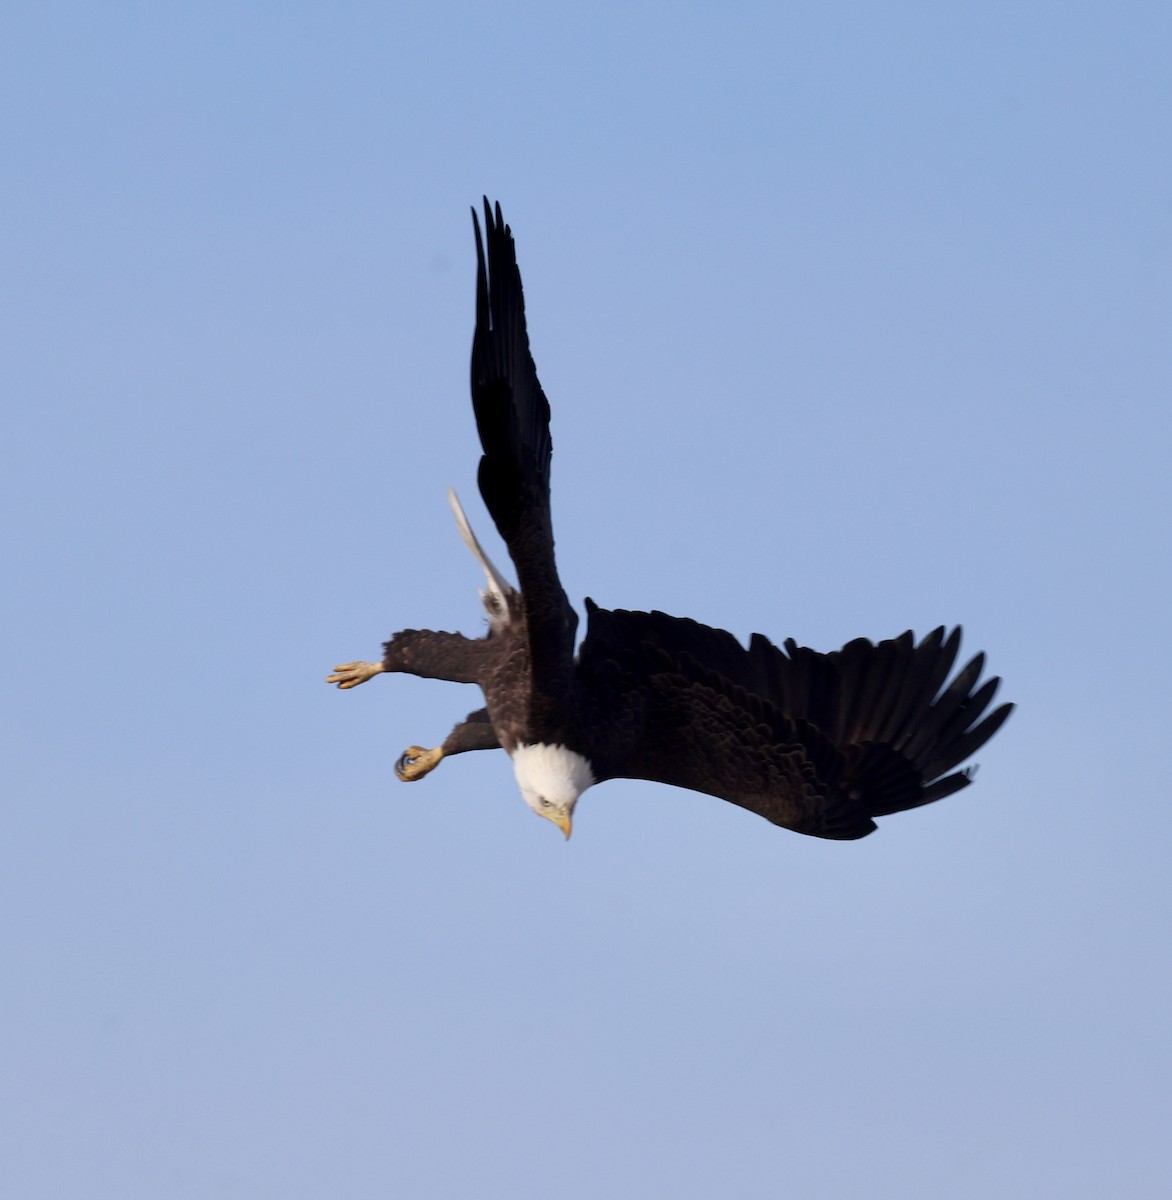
pixel 551 779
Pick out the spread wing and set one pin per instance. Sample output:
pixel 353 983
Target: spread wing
pixel 819 743
pixel 512 418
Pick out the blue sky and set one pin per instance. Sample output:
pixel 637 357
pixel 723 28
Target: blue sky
pixel 853 318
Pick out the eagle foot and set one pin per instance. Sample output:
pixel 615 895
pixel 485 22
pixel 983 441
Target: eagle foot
pixel 351 674
pixel 415 762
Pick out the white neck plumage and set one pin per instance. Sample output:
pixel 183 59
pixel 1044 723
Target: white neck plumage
pixel 551 779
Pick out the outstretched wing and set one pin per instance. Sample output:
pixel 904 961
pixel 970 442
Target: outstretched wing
pixel 819 743
pixel 512 418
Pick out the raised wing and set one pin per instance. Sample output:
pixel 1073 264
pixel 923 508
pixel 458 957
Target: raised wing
pixel 512 418
pixel 819 743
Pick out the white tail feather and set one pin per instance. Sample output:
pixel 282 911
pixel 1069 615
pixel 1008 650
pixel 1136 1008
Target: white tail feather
pixel 496 595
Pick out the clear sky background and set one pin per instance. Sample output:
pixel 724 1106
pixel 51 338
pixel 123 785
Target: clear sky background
pixel 854 317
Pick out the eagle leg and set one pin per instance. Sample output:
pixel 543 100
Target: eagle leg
pixel 475 732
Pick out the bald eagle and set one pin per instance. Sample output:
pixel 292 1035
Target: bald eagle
pixel 818 743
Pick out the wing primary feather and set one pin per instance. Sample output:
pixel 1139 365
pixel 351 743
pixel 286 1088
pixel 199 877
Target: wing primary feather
pixel 938 714
pixel 916 690
pixel 969 743
pixel 938 654
pixel 969 712
pixel 948 786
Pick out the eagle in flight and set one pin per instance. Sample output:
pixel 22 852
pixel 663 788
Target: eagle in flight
pixel 818 743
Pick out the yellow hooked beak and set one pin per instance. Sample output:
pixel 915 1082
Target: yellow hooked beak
pixel 562 821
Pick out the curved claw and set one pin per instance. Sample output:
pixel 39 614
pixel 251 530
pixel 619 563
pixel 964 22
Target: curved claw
pixel 415 762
